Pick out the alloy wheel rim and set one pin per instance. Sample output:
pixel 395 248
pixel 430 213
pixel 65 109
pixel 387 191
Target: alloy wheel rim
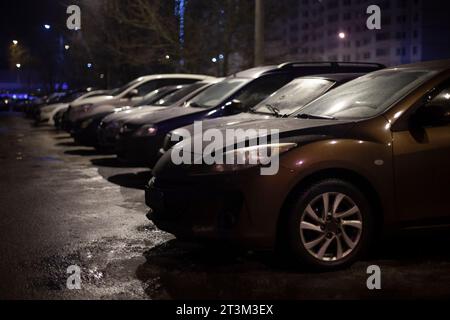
pixel 331 227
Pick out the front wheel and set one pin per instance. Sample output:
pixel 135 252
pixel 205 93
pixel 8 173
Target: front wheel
pixel 330 225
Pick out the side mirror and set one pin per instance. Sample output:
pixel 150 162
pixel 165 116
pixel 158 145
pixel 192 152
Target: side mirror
pixel 132 94
pixel 235 105
pixel 433 114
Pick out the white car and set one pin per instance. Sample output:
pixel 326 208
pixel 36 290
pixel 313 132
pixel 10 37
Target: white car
pixel 132 92
pixel 48 112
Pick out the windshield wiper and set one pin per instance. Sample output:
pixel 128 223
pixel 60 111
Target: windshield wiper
pixel 273 109
pixel 312 116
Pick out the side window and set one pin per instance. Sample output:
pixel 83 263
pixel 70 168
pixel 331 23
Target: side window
pixel 260 89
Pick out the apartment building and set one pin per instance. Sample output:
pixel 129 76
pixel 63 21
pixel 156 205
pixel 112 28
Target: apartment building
pixel 411 30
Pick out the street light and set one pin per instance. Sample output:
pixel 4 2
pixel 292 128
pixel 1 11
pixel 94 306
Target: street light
pixel 89 65
pixel 18 65
pixel 342 35
pixel 214 60
pixel 15 42
pixel 67 47
pixel 47 27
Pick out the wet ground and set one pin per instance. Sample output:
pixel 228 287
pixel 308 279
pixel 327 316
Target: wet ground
pixel 62 204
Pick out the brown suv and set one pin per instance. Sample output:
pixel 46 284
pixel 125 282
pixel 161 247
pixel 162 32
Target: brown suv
pixel 371 155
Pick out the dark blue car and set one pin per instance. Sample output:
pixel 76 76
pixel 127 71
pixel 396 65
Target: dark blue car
pixel 142 136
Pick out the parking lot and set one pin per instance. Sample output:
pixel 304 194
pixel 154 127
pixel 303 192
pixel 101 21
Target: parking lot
pixel 62 204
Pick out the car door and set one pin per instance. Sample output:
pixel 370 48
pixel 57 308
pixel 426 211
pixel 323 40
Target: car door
pixel 422 163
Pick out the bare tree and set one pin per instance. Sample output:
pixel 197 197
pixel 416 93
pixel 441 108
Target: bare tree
pixel 124 38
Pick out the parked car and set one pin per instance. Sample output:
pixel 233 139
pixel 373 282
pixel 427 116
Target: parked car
pixel 132 93
pixel 110 126
pixel 84 131
pixel 34 109
pixel 369 156
pixel 47 113
pixel 57 118
pixel 286 101
pixel 141 138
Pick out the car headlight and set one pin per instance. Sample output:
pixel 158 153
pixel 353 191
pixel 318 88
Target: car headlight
pixel 86 123
pixel 245 158
pixel 121 109
pixel 146 131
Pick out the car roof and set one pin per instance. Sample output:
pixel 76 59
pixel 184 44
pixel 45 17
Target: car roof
pixel 306 68
pixel 175 75
pixel 254 72
pixel 436 65
pixel 210 80
pixel 338 77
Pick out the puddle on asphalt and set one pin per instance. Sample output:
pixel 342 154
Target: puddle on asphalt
pixel 108 267
pixel 48 159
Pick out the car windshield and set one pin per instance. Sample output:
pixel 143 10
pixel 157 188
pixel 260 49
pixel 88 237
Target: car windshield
pixel 178 95
pixel 293 96
pixel 216 94
pixel 151 98
pixel 124 88
pixel 367 96
pixel 71 97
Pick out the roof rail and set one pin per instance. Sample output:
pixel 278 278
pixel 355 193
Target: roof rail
pixel 329 63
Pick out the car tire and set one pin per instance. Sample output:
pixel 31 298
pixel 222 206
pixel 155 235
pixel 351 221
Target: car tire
pixel 335 240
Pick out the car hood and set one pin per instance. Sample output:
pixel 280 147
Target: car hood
pixel 92 100
pixel 300 131
pixel 218 123
pixel 106 108
pixel 53 107
pixel 131 113
pixel 164 115
pixel 289 130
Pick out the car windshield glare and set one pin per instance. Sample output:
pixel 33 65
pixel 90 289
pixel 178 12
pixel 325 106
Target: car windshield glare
pixel 124 88
pixel 151 98
pixel 178 95
pixel 367 96
pixel 71 97
pixel 217 93
pixel 293 96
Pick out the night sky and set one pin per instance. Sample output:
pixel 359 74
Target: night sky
pixel 23 20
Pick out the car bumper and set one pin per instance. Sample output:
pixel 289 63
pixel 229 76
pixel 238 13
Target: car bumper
pixel 142 150
pixel 107 137
pixel 45 116
pixel 85 135
pixel 242 209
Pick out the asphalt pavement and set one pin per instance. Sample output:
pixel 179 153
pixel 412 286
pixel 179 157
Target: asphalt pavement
pixel 65 205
